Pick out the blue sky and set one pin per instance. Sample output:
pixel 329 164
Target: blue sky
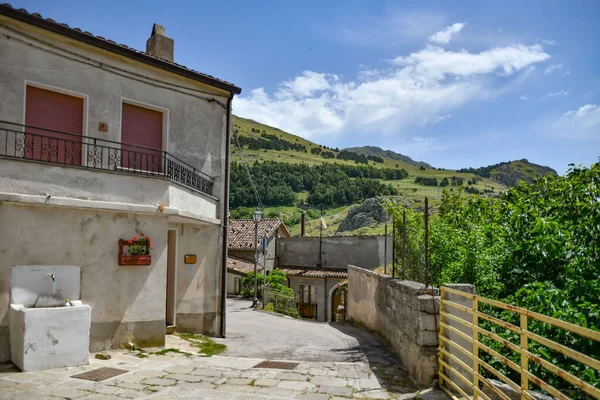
pixel 455 84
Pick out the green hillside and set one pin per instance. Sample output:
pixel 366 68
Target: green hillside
pixel 261 144
pixel 378 151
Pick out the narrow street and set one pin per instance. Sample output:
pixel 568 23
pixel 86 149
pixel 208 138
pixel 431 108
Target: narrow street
pixel 273 336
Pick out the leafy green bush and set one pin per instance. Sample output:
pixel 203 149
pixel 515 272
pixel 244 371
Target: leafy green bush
pixel 536 247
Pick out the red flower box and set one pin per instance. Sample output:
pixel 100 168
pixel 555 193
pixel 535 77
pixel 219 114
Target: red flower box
pixel 134 259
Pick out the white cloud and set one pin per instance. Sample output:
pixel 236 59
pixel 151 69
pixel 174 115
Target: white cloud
pixel 556 94
pixel 435 120
pixel 550 42
pixel 524 97
pixel 553 67
pixel 423 86
pixel 445 36
pixel 583 123
pixel 435 62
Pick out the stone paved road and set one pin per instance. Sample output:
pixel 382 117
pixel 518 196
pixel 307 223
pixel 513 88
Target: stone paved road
pixel 177 376
pixel 334 362
pixel 264 335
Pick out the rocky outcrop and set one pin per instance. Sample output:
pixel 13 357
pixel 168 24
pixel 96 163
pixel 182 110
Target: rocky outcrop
pixel 369 213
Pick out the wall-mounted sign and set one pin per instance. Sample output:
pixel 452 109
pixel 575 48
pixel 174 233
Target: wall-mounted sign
pixel 103 127
pixel 190 259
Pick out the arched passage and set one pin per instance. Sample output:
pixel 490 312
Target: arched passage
pixel 331 297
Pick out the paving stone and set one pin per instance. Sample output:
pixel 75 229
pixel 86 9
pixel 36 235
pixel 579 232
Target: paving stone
pixel 101 388
pixel 364 384
pixel 206 372
pixel 185 377
pixel 291 377
pixel 295 385
pixel 328 381
pixel 239 381
pixel 266 382
pixel 158 382
pixel 321 372
pixel 179 369
pixel 70 393
pixel 373 394
pixel 130 394
pixel 314 396
pixel 337 390
pixel 273 391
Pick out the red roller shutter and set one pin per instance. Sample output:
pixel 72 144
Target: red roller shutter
pixel 56 111
pixel 141 127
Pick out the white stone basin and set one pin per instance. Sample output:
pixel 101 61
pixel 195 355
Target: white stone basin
pixel 45 334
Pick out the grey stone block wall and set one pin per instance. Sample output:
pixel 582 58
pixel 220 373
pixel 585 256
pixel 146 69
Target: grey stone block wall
pixel 404 313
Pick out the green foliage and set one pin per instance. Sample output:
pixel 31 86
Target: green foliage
pixel 535 247
pixel 422 180
pixel 327 184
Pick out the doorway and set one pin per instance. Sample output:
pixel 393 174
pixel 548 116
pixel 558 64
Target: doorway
pixel 171 276
pixel 308 301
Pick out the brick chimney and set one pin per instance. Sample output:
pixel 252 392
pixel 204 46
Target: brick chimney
pixel 159 45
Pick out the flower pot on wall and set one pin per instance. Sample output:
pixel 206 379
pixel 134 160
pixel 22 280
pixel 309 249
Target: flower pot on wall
pixel 134 259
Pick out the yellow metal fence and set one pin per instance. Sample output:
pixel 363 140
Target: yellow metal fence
pixel 457 373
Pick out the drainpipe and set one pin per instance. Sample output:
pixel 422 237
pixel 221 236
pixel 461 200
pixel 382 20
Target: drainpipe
pixel 225 220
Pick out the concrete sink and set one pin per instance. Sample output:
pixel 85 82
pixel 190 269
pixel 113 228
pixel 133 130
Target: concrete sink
pixel 45 333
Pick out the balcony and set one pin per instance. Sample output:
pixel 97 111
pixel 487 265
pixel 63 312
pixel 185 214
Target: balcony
pixel 55 147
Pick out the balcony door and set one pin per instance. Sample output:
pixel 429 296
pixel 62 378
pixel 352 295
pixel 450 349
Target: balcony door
pixel 60 118
pixel 141 138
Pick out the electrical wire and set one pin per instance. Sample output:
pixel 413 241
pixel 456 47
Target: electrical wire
pixel 260 204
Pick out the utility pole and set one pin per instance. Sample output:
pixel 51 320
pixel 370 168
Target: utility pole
pixel 426 242
pixel 404 245
pixel 321 237
pixel 256 218
pixel 393 247
pixel 264 245
pixel 385 250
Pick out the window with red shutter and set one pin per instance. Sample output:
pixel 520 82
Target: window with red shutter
pixel 141 138
pixel 52 111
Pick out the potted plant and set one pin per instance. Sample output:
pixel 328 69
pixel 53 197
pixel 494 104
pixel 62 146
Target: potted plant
pixel 138 251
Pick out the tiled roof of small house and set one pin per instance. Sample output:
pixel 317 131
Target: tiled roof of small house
pixel 338 273
pixel 110 45
pixel 241 267
pixel 240 234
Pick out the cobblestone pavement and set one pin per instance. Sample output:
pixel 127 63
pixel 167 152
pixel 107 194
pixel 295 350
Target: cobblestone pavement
pixel 180 376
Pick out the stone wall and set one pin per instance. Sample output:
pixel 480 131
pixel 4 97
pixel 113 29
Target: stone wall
pixel 336 251
pixel 404 313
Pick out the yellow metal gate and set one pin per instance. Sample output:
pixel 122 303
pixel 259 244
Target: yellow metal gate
pixel 463 371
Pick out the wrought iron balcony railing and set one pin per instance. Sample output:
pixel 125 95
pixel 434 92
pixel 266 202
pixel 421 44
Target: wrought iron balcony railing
pixel 47 145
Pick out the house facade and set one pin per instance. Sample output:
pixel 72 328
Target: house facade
pixel 100 142
pixel 316 290
pixel 237 269
pixel 241 234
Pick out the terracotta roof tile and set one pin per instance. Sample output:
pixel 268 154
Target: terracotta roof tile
pixel 239 266
pixel 240 234
pixel 7 9
pixel 339 273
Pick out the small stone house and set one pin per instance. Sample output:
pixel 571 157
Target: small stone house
pixel 101 142
pixel 241 234
pixel 236 270
pixel 316 290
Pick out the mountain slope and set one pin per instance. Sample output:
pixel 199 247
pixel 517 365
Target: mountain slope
pixel 378 151
pixel 510 173
pixel 288 190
